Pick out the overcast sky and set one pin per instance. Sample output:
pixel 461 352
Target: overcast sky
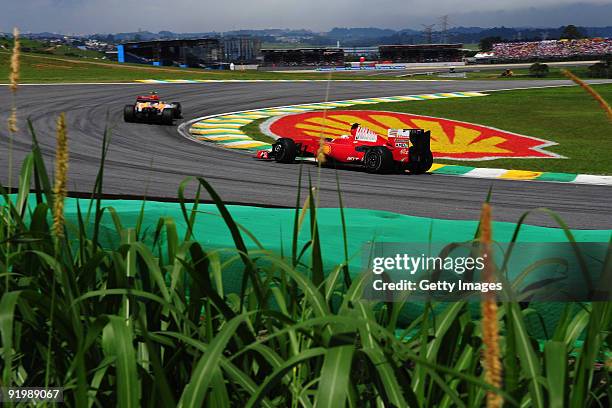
pixel 109 16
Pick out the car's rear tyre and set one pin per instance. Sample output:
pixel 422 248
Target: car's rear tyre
pixel 378 160
pixel 178 110
pixel 129 113
pixel 284 150
pixel 167 116
pixel 419 163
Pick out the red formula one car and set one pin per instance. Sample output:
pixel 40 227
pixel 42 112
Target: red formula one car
pixel 150 109
pixel 403 149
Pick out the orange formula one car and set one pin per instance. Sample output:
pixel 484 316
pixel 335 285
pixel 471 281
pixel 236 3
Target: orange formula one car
pixel 150 109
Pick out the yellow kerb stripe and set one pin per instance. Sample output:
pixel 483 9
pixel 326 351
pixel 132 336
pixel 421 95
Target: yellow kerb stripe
pixel 521 175
pixel 244 146
pixel 223 138
pixel 208 131
pixel 217 125
pixel 436 166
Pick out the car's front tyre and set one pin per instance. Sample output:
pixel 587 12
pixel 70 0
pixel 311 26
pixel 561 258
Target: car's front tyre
pixel 284 150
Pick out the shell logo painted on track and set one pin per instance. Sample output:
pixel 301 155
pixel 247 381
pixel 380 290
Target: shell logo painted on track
pixel 449 138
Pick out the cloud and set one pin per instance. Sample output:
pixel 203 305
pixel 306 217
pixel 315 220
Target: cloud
pixel 86 16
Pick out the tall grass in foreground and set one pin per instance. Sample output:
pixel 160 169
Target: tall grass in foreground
pixel 146 323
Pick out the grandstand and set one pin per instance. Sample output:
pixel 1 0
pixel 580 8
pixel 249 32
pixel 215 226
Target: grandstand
pixel 241 49
pixel 421 53
pixel 198 53
pixel 186 53
pixel 553 49
pixel 303 57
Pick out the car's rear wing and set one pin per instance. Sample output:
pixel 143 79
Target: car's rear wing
pixel 404 138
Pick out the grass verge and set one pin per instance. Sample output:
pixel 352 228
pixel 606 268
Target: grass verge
pixel 254 131
pixel 46 48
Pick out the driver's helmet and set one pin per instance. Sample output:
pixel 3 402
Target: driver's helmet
pixel 153 95
pixel 354 128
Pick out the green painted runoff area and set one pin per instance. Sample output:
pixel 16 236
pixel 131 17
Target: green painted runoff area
pixel 273 227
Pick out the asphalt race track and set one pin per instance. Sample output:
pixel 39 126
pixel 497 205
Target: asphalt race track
pixel 151 160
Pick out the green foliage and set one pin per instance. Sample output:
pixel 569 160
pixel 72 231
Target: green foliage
pixel 48 48
pixel 538 70
pixel 148 324
pixel 486 44
pixel 602 69
pixel 571 32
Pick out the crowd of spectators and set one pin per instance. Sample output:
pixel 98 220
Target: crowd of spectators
pixel 553 49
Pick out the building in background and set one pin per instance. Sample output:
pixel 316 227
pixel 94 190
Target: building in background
pixel 421 53
pixel 195 53
pixel 202 52
pixel 246 51
pixel 303 57
pixel 241 50
pixel 355 53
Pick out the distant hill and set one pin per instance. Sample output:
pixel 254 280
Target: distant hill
pixel 46 35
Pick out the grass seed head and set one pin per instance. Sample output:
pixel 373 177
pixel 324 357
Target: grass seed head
pixel 14 80
pixel 12 121
pixel 14 73
pixel 490 324
pixel 61 175
pixel 321 156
